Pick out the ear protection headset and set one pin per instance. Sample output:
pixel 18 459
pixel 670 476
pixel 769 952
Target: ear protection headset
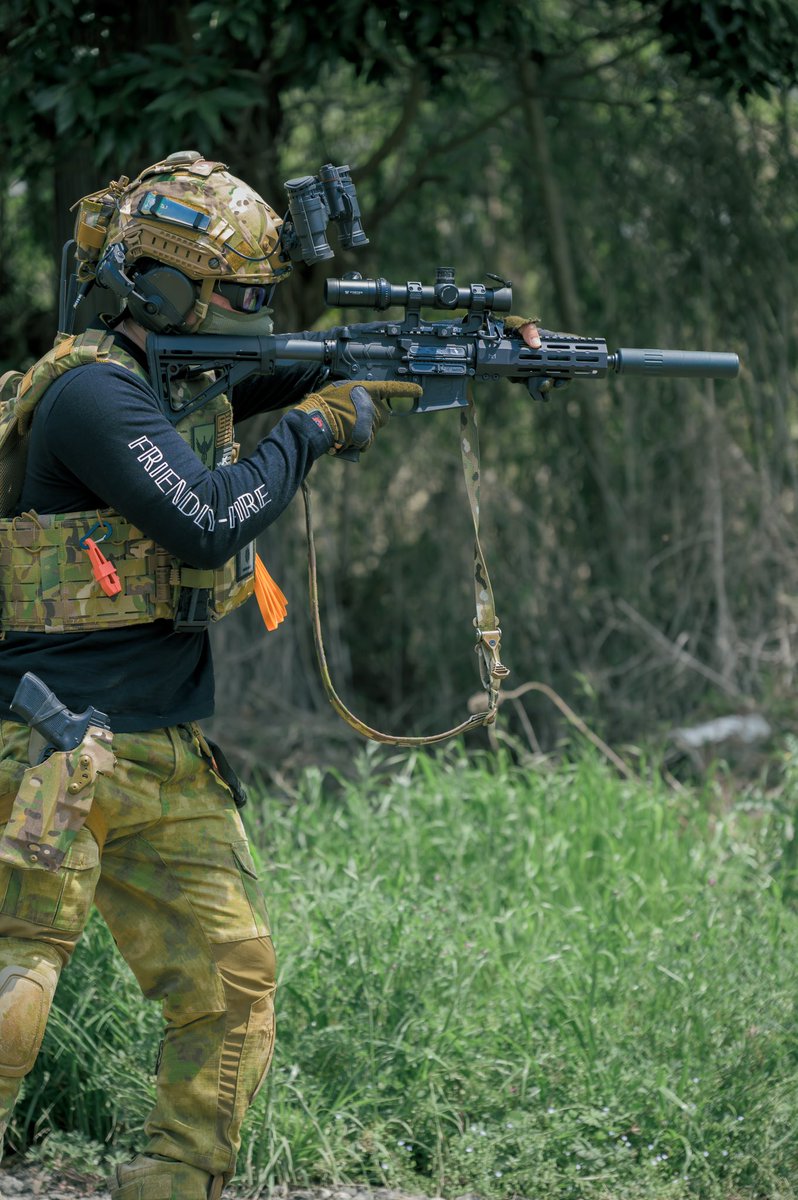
pixel 159 297
pixel 162 299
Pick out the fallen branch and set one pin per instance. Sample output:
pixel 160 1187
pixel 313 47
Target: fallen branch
pixel 477 703
pixel 678 653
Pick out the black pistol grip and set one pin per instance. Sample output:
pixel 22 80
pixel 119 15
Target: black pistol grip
pixel 44 712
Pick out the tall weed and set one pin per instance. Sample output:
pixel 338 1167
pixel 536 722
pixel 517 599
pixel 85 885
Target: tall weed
pixel 543 983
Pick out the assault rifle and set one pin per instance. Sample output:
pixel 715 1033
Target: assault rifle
pixel 441 356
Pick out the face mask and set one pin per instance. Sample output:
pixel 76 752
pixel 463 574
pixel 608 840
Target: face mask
pixel 227 320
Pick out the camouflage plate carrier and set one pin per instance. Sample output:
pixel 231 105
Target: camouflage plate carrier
pixel 48 582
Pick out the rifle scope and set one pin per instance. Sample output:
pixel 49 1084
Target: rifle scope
pixel 355 292
pixel 707 364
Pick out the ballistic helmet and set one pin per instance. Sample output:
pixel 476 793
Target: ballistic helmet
pixel 182 229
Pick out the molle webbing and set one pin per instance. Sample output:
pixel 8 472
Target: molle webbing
pixel 93 346
pixel 19 395
pixel 47 584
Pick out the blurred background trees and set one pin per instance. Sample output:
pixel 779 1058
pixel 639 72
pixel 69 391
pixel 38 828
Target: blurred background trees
pixel 631 167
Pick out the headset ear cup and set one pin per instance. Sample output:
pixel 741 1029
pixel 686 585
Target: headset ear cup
pixel 164 298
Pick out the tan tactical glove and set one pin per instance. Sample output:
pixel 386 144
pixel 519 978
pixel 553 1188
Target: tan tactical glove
pixel 526 326
pixel 353 410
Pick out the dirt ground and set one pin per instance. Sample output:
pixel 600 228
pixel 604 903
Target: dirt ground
pixel 34 1183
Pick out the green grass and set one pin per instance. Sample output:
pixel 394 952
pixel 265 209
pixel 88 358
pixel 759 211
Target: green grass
pixel 547 984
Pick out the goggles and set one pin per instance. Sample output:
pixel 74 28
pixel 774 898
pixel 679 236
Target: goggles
pixel 243 297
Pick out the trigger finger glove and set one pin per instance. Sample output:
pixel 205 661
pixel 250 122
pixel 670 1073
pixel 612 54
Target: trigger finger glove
pixel 354 410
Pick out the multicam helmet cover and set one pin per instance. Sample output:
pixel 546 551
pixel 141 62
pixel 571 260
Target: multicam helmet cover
pixel 194 215
pixel 189 213
pixel 186 215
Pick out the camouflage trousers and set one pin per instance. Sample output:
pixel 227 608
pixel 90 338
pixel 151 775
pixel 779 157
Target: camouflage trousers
pixel 176 885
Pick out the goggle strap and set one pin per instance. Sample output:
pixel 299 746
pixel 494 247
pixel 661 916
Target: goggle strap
pixel 203 300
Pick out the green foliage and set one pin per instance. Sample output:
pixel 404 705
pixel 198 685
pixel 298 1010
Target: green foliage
pixel 82 77
pixel 508 983
pixel 742 46
pixel 103 1095
pixel 71 1154
pixel 561 145
pixel 199 69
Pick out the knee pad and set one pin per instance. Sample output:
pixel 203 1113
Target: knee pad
pixel 248 971
pixel 28 976
pixel 149 1178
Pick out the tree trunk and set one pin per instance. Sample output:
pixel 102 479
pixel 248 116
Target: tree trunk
pixel 561 262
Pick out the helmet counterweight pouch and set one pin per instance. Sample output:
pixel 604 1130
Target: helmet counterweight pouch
pixel 91 226
pixel 92 222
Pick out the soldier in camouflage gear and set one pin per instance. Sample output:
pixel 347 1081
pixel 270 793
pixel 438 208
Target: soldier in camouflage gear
pixel 131 532
pixel 165 858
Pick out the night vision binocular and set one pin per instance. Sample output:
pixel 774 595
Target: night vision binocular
pixel 314 201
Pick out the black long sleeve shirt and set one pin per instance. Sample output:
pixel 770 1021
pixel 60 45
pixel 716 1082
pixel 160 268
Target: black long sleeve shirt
pixel 99 440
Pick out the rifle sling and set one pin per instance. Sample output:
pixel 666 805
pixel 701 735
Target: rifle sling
pixel 488 645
